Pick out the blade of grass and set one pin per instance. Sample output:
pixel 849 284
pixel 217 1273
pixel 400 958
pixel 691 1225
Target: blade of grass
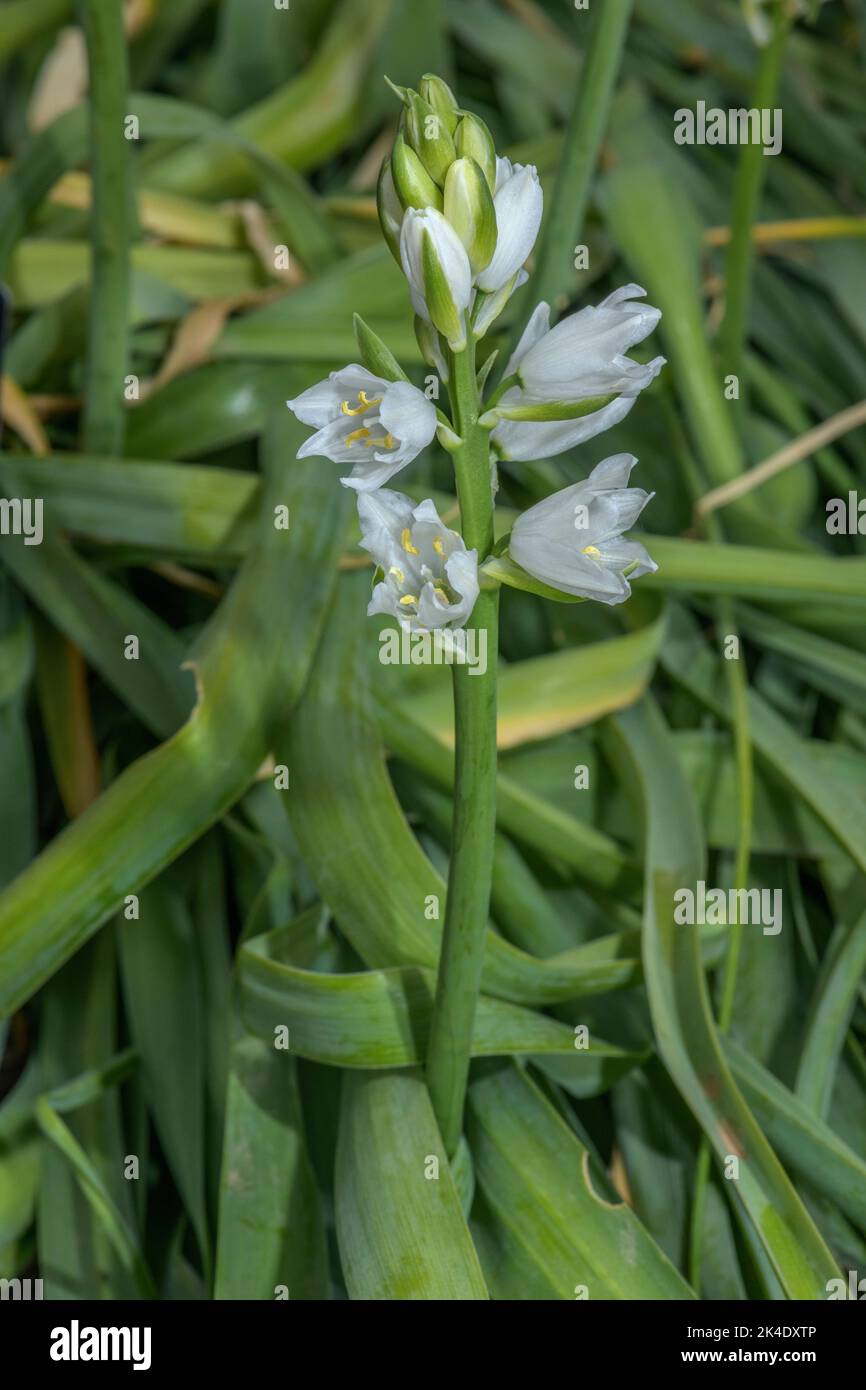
pixel 103 417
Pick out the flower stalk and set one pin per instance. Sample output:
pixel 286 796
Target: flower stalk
pixel 471 863
pixel 462 221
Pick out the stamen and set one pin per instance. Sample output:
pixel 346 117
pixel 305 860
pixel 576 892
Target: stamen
pixel 365 404
pixel 407 599
pixel 386 440
pixel 438 546
pixel 440 593
pixel 398 574
pixel 406 542
pixel 592 551
pixel 362 433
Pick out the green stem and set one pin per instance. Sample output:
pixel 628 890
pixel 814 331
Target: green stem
pixel 748 183
pixel 474 821
pixel 104 418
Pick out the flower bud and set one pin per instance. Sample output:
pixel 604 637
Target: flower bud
pixel 431 347
pixel 443 101
pixel 414 186
pixel 473 140
pixel 469 208
pixel 437 268
pixel 429 137
pixel 390 209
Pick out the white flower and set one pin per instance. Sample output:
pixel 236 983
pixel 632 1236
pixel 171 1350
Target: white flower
pixel 430 579
pixel 437 267
pixel 518 201
pixel 573 540
pixel 378 426
pixel 584 355
pixel 582 358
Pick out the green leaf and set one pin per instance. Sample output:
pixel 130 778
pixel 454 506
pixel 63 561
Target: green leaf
pixel 683 1025
pixel 271 1230
pixel 376 356
pixel 401 1229
pixel 537 1179
pixel 381 1018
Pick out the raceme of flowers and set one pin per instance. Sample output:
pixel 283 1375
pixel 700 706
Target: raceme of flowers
pixel 461 222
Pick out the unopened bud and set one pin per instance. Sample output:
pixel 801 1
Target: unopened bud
pixel 437 267
pixel 390 209
pixel 429 137
pixel 469 208
pixel 473 140
pixel 440 97
pixel 431 347
pixel 414 186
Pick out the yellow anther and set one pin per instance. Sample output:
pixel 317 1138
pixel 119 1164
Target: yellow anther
pixel 389 441
pixel 438 546
pixel 407 599
pixel 398 574
pixel 406 542
pixel 592 551
pixel 364 404
pixel 440 593
pixel 362 433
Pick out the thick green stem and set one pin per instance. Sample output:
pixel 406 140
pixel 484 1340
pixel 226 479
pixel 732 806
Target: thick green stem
pixel 748 183
pixel 474 821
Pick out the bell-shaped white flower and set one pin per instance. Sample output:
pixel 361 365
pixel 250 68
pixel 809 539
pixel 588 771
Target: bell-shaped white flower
pixel 376 425
pixel 573 541
pixel 518 202
pixel 430 579
pixel 585 354
pixel 437 267
pixel 582 359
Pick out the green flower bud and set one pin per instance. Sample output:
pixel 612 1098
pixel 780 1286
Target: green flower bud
pixel 444 307
pixel 469 208
pixel 437 268
pixel 429 137
pixel 443 101
pixel 431 347
pixel 414 186
pixel 473 140
pixel 390 209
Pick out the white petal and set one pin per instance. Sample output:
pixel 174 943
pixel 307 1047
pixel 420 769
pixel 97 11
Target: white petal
pixel 612 513
pixel 621 555
pixel 492 304
pixel 449 250
pixel 321 403
pixel 614 471
pixel 504 171
pixel 589 341
pixel 529 440
pixel 538 325
pixel 564 567
pixel 383 515
pixel 518 203
pixel 371 473
pixel 408 415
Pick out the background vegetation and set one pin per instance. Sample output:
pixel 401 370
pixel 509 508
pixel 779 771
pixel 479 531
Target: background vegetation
pixel 169 903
